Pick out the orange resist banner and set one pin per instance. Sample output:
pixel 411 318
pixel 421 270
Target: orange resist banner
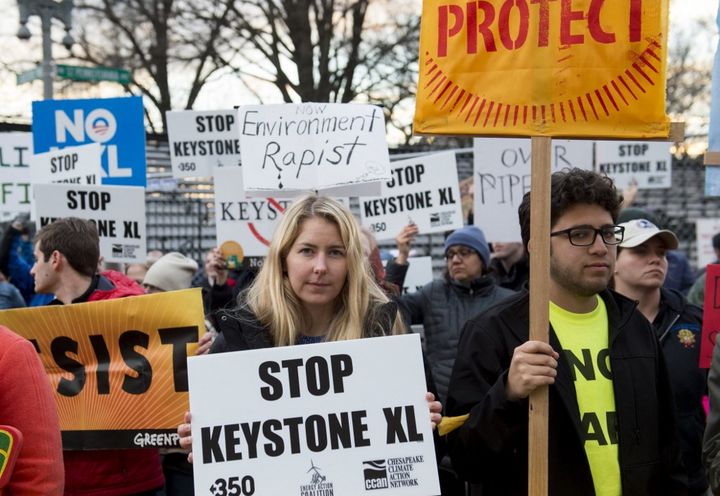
pixel 118 367
pixel 573 68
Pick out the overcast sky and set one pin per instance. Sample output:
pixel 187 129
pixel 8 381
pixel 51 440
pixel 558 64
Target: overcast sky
pixel 15 101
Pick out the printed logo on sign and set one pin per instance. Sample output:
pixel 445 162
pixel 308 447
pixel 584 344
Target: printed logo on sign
pixel 401 471
pixel 319 486
pixel 441 219
pixel 375 473
pixel 124 251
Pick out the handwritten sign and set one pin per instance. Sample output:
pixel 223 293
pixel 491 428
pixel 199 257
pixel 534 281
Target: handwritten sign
pixel 118 367
pixel 647 163
pixel 322 415
pixel 502 177
pixel 542 68
pixel 117 211
pixel 337 148
pixel 711 315
pixel 15 154
pixel 71 165
pixel 422 190
pixel 202 140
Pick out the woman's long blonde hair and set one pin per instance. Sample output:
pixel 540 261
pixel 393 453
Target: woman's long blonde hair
pixel 275 304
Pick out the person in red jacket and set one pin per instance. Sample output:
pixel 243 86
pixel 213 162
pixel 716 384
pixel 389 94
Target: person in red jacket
pixel 27 404
pixel 66 258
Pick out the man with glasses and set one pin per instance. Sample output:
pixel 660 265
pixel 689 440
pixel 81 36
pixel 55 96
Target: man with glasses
pixel 612 429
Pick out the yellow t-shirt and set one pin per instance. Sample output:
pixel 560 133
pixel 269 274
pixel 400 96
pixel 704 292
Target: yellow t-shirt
pixel 584 339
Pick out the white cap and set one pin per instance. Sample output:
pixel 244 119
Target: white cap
pixel 638 231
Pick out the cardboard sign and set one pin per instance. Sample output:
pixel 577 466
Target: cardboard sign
pixel 542 68
pixel 15 154
pixel 118 213
pixel 202 140
pixel 70 165
pixel 705 230
pixel 244 225
pixel 418 275
pixel 648 163
pixel 502 176
pixel 117 124
pixel 118 367
pixel 423 190
pixel 711 315
pixel 325 416
pixel 337 148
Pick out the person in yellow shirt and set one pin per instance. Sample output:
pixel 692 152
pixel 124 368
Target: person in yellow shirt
pixel 612 429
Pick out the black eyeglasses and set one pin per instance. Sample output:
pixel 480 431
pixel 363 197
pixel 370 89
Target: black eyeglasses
pixel 586 235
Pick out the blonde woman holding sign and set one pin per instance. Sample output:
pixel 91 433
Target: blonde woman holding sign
pixel 314 286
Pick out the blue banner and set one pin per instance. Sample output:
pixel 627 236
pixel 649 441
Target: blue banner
pixel 115 123
pixel 712 173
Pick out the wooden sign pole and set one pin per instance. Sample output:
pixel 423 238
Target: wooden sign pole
pixel 539 309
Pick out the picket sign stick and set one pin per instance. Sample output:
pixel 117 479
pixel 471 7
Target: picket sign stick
pixel 539 309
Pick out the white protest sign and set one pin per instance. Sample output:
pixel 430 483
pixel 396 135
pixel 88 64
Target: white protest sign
pixel 15 153
pixel 706 229
pixel 646 162
pixel 244 225
pixel 338 148
pixel 502 177
pixel 315 419
pixel 418 275
pixel 202 140
pixel 423 190
pixel 72 165
pixel 117 211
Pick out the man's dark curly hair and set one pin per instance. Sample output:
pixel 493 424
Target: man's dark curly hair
pixel 569 188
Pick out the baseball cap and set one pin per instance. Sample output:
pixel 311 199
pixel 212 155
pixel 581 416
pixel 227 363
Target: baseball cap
pixel 638 231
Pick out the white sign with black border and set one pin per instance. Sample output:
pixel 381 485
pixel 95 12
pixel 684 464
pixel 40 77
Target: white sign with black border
pixel 339 148
pixel 423 190
pixel 345 417
pixel 117 211
pixel 202 140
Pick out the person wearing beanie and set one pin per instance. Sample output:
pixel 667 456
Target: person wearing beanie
pixel 640 270
pixel 171 272
pixel 443 305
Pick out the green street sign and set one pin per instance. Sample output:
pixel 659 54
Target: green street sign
pixel 79 73
pixel 29 75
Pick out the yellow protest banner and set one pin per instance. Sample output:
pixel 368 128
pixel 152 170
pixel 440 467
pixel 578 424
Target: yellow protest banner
pixel 118 367
pixel 593 68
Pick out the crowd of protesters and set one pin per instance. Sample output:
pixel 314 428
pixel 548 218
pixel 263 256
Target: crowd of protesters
pixel 627 396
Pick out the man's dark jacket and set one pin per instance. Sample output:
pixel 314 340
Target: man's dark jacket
pixel 491 447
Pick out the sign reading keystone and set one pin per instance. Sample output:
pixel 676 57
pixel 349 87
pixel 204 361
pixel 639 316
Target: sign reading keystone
pixel 543 68
pixel 79 73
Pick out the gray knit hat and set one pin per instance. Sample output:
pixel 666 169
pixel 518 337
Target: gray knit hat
pixel 472 237
pixel 172 271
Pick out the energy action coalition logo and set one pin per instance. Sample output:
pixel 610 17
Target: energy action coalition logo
pixel 375 472
pixel 391 473
pixel 319 486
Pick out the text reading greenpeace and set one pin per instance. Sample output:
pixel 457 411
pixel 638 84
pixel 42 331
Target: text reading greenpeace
pixel 275 437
